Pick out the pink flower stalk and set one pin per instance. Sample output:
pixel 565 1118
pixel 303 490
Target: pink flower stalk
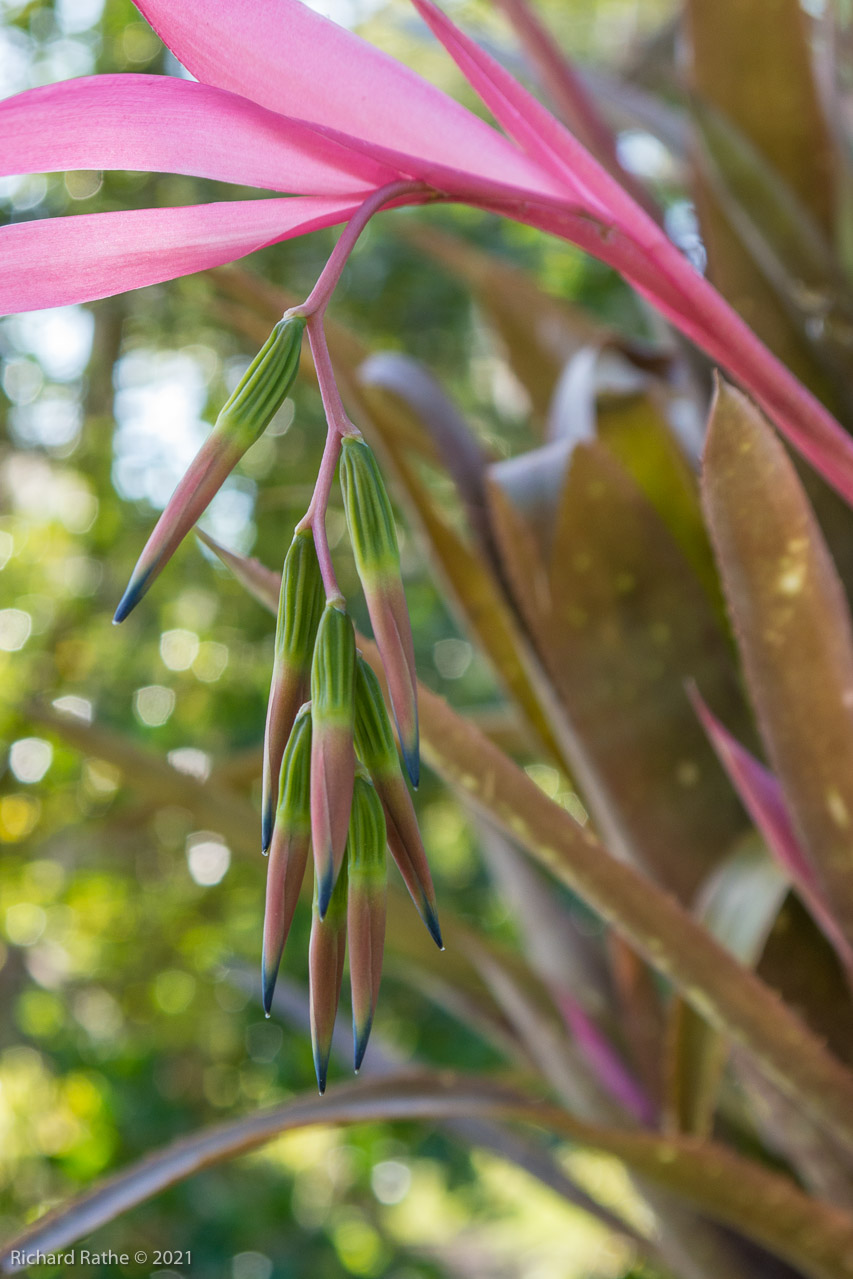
pixel 288 101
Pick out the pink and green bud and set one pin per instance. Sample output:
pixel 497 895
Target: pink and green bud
pixel 332 754
pixel 243 419
pixel 326 953
pixel 367 871
pixel 291 840
pixel 373 535
pixel 300 608
pixel 374 742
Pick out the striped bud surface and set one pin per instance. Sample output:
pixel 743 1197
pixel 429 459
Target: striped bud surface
pixel 370 521
pixel 244 417
pixel 374 737
pixel 374 742
pixel 326 953
pixel 261 390
pixel 300 608
pixel 367 870
pixel 332 754
pixel 291 840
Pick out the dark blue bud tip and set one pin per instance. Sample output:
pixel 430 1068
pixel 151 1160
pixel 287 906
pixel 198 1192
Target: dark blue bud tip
pixel 321 1070
pixel 130 599
pixel 268 980
pixel 431 921
pixel 360 1044
pixel 412 761
pixel 266 829
pixel 324 894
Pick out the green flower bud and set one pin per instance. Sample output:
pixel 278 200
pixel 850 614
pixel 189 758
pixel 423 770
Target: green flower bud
pixel 243 418
pixel 333 667
pixel 366 841
pixel 370 520
pixel 332 754
pixel 374 736
pixel 261 390
pixel 300 607
pixel 365 908
pixel 291 838
pixel 326 954
pixel 301 602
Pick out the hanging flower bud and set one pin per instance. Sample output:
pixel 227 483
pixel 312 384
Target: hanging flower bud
pixel 367 871
pixel 242 420
pixel 372 532
pixel 291 839
pixel 300 607
pixel 374 743
pixel 326 953
pixel 332 754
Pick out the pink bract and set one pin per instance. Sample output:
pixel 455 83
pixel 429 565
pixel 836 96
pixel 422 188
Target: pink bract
pixel 288 100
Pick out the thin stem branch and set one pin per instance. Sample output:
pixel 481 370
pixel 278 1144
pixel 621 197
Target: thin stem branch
pixel 333 407
pixel 318 298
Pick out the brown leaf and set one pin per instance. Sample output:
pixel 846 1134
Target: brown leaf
pixel 793 630
pixel 764 1205
pixel 739 905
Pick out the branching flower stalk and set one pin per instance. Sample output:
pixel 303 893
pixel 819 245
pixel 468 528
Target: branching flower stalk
pixel 313 310
pixel 309 773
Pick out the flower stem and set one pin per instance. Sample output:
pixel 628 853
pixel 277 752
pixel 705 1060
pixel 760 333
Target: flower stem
pixel 313 308
pixel 318 298
pixel 315 517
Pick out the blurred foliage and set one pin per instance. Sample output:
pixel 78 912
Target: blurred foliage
pixel 131 899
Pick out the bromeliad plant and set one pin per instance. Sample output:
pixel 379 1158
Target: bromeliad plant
pixel 588 578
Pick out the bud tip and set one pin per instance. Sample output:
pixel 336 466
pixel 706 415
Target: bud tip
pixel 268 980
pixel 431 921
pixel 266 828
pixel 321 1069
pixel 324 894
pixel 360 1046
pixel 133 594
pixel 411 758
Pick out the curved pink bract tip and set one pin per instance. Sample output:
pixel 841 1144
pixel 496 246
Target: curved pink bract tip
pixel 167 125
pixel 58 261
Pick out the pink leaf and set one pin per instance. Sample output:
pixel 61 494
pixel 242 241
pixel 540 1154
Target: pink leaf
pixel 56 261
pixel 574 103
pixel 532 126
pixel 635 246
pixel 175 126
pixel 764 800
pixel 290 59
